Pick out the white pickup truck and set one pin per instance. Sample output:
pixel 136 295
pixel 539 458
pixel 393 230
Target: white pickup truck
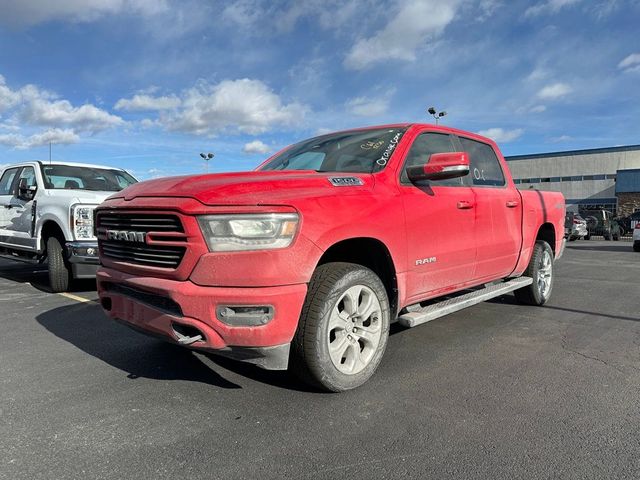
pixel 46 214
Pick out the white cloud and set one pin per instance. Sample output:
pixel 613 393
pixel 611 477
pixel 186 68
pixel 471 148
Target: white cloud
pixel 32 12
pixel 538 74
pixel 258 17
pixel 417 22
pixel 29 106
pixel 555 90
pixel 256 147
pixel 244 105
pixel 562 138
pixel 57 113
pixel 548 7
pixel 488 8
pixel 8 98
pixel 369 107
pixel 630 63
pixel 147 103
pixel 538 109
pixel 54 135
pixel 500 135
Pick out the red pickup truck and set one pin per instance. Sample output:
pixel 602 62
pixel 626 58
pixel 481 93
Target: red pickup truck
pixel 305 262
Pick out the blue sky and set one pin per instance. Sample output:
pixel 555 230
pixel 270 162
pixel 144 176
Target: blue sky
pixel 149 84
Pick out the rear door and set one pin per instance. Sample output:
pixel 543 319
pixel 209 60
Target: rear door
pixel 498 212
pixel 440 223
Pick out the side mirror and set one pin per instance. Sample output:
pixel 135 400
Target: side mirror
pixel 441 166
pixel 24 191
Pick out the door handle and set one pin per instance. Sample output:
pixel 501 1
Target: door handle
pixel 512 204
pixel 8 206
pixel 464 205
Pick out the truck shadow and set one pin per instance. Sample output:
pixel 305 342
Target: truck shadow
pixel 86 327
pixel 38 276
pixel 511 300
pixel 623 246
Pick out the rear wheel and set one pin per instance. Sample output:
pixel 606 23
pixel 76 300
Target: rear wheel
pixel 343 328
pixel 636 246
pixel 59 271
pixel 541 270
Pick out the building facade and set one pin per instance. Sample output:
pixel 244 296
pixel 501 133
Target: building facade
pixel 602 178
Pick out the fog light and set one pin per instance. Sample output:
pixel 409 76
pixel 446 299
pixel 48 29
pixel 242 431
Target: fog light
pixel 91 252
pixel 245 316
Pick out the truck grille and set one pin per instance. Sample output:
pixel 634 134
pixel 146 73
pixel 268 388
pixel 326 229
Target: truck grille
pixel 164 242
pixel 140 222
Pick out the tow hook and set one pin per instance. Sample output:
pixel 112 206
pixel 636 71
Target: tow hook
pixel 185 340
pixel 186 334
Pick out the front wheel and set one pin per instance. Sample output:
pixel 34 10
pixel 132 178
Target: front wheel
pixel 59 271
pixel 541 270
pixel 343 328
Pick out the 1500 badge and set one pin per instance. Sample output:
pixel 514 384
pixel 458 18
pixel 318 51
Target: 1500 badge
pixel 345 181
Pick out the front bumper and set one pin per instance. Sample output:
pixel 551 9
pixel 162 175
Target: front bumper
pixel 170 309
pixel 83 258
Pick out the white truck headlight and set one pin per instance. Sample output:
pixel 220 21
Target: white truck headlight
pixel 82 221
pixel 228 233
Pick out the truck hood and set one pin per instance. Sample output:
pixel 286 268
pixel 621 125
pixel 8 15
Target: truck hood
pixel 89 197
pixel 248 188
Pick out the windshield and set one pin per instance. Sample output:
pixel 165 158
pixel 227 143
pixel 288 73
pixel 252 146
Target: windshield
pixel 70 177
pixel 363 151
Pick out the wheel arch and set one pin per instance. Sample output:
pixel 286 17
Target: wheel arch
pixel 547 232
pixel 50 228
pixel 370 253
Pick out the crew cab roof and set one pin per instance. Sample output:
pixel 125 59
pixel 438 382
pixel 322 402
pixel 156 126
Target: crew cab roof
pixel 59 162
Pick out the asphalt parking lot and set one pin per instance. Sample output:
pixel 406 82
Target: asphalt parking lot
pixel 497 391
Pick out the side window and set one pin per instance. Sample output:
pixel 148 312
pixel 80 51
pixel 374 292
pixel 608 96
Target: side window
pixel 29 174
pixel 421 150
pixel 7 181
pixel 485 169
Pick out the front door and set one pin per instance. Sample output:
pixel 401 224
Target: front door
pixel 16 227
pixel 7 181
pixel 440 223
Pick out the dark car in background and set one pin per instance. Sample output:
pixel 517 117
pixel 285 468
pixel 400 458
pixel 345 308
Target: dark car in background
pixel 629 222
pixel 599 223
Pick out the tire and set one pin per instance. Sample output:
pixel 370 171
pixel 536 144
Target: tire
pixel 331 350
pixel 616 237
pixel 59 271
pixel 636 246
pixel 572 239
pixel 541 270
pixel 587 236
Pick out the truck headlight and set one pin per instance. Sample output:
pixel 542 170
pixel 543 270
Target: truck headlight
pixel 228 233
pixel 82 221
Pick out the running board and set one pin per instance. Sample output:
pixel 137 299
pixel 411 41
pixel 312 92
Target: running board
pixel 419 315
pixel 17 258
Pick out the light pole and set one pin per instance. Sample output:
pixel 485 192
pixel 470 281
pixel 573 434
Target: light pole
pixel 438 115
pixel 207 157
